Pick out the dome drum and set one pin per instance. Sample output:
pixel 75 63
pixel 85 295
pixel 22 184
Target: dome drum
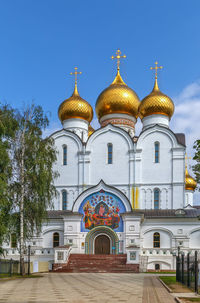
pixel 160 119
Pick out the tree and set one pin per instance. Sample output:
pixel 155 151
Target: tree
pixel 31 187
pixel 8 127
pixel 196 167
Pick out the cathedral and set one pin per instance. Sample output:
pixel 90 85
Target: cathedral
pixel 118 193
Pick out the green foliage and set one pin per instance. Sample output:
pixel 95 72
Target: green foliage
pixel 196 167
pixel 26 170
pixel 168 279
pixel 8 127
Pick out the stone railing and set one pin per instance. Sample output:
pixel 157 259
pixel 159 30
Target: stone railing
pixel 165 251
pixel 34 251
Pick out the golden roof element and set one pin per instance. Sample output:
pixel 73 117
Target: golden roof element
pixel 118 97
pixel 156 102
pixel 75 106
pixel 190 183
pixel 90 130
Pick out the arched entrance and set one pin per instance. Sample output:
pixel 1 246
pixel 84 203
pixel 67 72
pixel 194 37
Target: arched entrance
pixel 102 245
pixel 95 233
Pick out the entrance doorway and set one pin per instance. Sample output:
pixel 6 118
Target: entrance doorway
pixel 102 245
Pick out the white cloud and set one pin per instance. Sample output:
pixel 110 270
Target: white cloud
pixel 186 120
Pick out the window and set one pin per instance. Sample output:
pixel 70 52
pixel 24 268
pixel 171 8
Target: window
pixel 156 152
pixel 157 266
pixel 110 152
pixel 156 240
pixel 64 155
pixel 60 255
pixel 64 200
pixel 13 240
pixel 56 239
pixel 156 198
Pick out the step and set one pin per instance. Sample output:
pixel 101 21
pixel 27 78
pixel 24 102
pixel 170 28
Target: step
pixel 96 263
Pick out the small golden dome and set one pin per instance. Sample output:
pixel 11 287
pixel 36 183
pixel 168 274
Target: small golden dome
pixel 190 183
pixel 90 130
pixel 75 107
pixel 117 98
pixel 156 103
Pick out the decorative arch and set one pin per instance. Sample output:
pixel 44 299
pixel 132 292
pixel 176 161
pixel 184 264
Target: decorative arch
pixel 101 230
pixel 158 128
pixel 69 134
pixel 102 186
pixel 111 128
pixel 194 230
pixel 158 229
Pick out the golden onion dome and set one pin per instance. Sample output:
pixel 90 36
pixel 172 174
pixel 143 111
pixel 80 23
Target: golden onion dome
pixel 117 98
pixel 156 103
pixel 75 107
pixel 90 130
pixel 190 183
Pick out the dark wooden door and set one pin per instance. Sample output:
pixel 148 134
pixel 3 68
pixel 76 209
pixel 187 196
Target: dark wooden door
pixel 102 245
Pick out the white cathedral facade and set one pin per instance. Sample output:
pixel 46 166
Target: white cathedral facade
pixel 119 193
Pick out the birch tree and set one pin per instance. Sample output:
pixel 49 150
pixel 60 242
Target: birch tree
pixel 8 127
pixel 32 186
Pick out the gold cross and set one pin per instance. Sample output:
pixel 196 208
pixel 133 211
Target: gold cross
pixel 118 57
pixel 156 69
pixel 75 73
pixel 186 158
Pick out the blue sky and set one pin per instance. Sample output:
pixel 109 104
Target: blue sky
pixel 42 41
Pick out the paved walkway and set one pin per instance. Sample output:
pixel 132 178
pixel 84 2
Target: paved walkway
pixel 82 288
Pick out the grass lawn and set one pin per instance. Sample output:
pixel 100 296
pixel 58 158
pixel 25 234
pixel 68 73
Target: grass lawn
pixel 161 272
pixel 170 281
pixel 17 276
pixel 187 300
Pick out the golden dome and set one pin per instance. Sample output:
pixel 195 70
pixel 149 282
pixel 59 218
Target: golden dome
pixel 90 130
pixel 117 98
pixel 190 183
pixel 156 103
pixel 75 107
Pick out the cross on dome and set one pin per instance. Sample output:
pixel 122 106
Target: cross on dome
pixel 118 57
pixel 156 69
pixel 186 160
pixel 75 73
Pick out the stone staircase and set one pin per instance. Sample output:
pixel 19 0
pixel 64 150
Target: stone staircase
pixel 78 263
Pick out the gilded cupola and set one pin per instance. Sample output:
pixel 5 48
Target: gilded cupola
pixel 118 98
pixel 156 103
pixel 75 106
pixel 90 130
pixel 190 183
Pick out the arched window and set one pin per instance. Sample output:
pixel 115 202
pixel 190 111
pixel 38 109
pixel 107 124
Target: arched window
pixel 56 239
pixel 156 198
pixel 156 240
pixel 13 240
pixel 110 153
pixel 157 147
pixel 64 200
pixel 64 155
